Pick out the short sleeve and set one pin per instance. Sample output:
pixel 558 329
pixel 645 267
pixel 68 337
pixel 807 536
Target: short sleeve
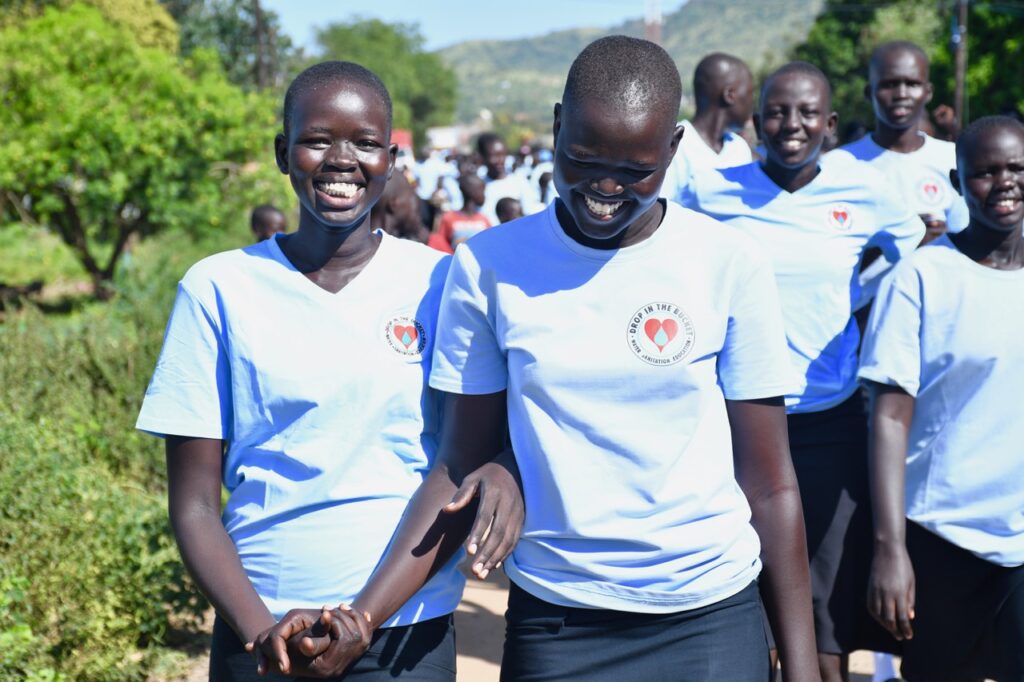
pixel 891 352
pixel 754 362
pixel 900 231
pixel 190 392
pixel 467 357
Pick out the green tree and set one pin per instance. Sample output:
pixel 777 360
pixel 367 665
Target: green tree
pixel 110 140
pixel 253 50
pixel 841 40
pixel 422 87
pixel 149 23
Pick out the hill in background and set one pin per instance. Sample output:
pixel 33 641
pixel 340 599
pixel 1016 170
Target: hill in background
pixel 524 78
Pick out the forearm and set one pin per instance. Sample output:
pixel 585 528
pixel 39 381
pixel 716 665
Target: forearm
pixel 425 540
pixel 887 453
pixel 785 578
pixel 212 561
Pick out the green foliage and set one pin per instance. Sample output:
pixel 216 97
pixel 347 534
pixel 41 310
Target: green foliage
pixel 254 52
pixel 422 87
pixel 149 23
pixel 110 139
pixel 843 36
pixel 90 579
pixel 526 76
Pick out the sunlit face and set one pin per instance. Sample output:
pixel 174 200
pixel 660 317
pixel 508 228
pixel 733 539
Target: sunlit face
pixel 990 176
pixel 338 154
pixel 899 88
pixel 609 165
pixel 795 118
pixel 495 154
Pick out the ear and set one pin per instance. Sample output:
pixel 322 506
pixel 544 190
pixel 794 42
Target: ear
pixel 833 123
pixel 556 123
pixel 929 90
pixel 392 157
pixel 954 179
pixel 281 152
pixel 677 135
pixel 728 95
pixel 867 91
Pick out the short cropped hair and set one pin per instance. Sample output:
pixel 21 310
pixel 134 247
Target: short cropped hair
pixel 984 125
pixel 263 213
pixel 896 46
pixel 486 140
pixel 803 68
pixel 624 72
pixel 713 73
pixel 324 73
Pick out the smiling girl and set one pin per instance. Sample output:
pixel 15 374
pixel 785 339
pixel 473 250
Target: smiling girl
pixel 294 372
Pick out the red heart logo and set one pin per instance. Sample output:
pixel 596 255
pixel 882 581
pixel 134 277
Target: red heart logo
pixel 931 189
pixel 407 335
pixel 840 216
pixel 668 328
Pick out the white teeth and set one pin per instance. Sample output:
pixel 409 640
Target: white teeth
pixel 1006 203
pixel 602 208
pixel 791 144
pixel 345 190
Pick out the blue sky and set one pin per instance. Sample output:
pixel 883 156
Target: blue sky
pixel 444 22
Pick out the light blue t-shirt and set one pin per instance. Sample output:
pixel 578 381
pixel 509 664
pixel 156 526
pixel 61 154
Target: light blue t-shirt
pixel 695 156
pixel 322 399
pixel 815 239
pixel 921 177
pixel 948 331
pixel 617 365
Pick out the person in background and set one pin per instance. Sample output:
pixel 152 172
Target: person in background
pixel 266 221
pixel 944 363
pixel 916 164
pixel 508 209
pixel 455 227
pixel 499 182
pixel 723 88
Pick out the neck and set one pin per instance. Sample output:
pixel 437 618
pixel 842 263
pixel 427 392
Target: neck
pixel 994 249
pixel 903 140
pixel 641 228
pixel 791 179
pixel 712 125
pixel 314 248
pixel 470 207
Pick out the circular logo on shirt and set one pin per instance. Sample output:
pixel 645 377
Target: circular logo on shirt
pixel 660 334
pixel 840 217
pixel 931 192
pixel 405 335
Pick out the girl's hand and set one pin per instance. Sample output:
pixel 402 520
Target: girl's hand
pixel 891 590
pixel 312 643
pixel 499 517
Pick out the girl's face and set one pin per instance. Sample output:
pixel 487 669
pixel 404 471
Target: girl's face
pixel 609 165
pixel 338 154
pixel 990 175
pixel 794 120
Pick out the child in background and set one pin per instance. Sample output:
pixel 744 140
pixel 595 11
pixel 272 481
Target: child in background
pixel 266 221
pixel 944 361
pixel 500 183
pixel 455 227
pixel 508 209
pixel 916 164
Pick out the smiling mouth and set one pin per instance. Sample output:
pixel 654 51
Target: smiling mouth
pixel 791 145
pixel 338 190
pixel 602 209
pixel 1005 206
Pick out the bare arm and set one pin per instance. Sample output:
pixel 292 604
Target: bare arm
pixel 764 471
pixel 193 484
pixel 891 585
pixel 435 523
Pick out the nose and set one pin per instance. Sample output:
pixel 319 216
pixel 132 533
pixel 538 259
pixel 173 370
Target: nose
pixel 901 90
pixel 341 155
pixel 608 186
pixel 791 120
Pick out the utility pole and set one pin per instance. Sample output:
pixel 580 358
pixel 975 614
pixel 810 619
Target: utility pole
pixel 959 39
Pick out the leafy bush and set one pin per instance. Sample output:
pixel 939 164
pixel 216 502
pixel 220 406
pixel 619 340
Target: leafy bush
pixel 90 578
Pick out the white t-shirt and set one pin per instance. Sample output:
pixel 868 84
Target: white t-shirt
pixel 617 365
pixel 948 331
pixel 921 177
pixel 694 155
pixel 815 238
pixel 514 186
pixel 323 401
